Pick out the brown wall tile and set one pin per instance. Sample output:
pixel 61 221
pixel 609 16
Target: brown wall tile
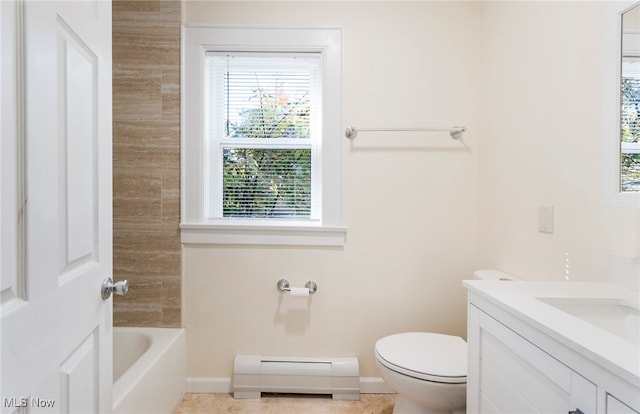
pixel 124 9
pixel 146 45
pixel 137 316
pixel 137 94
pixel 171 291
pixel 171 316
pixel 170 93
pixel 146 161
pixel 155 257
pixel 170 196
pixel 137 196
pixel 148 144
pixel 143 291
pixel 145 11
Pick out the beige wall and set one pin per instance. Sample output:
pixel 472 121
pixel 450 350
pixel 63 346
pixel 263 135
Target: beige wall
pixel 529 80
pixel 548 118
pixel 411 212
pixel 146 162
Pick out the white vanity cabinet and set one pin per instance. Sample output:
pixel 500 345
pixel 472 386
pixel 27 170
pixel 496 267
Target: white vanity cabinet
pixel 516 368
pixel 514 376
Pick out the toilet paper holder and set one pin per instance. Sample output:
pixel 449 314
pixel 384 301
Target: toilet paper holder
pixel 283 286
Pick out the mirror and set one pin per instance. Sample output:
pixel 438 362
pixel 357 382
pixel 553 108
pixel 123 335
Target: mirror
pixel 630 101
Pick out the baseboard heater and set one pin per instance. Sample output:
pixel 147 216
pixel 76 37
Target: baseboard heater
pixel 255 374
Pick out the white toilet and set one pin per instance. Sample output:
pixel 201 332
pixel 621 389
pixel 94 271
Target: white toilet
pixel 428 371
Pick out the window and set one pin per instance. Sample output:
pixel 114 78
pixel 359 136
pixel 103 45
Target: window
pixel 630 125
pixel 261 136
pixel 622 167
pixel 261 117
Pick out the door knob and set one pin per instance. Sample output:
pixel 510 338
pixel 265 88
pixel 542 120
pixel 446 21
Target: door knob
pixel 120 288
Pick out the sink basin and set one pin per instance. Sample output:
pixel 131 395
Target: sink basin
pixel 619 317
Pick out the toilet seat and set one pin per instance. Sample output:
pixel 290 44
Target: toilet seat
pixel 424 355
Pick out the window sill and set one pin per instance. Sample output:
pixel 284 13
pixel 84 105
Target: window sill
pixel 268 234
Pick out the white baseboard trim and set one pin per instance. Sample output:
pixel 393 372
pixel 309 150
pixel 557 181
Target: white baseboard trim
pixel 374 385
pixel 206 385
pixel 223 385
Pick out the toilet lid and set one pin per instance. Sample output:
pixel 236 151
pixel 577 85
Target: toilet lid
pixel 429 356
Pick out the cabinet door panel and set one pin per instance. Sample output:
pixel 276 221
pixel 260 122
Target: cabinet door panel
pixel 486 407
pixel 498 395
pixel 583 393
pixel 516 376
pixel 615 406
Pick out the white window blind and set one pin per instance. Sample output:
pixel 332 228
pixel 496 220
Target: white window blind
pixel 262 113
pixel 630 125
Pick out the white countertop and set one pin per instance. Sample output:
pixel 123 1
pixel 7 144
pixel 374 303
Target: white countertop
pixel 620 356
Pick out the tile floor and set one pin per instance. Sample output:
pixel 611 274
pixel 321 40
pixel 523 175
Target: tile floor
pixel 284 404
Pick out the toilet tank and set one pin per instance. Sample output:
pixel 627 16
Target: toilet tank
pixel 492 274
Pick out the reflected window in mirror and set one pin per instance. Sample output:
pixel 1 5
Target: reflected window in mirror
pixel 630 102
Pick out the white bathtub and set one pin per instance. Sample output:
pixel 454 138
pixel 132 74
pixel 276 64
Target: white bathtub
pixel 149 369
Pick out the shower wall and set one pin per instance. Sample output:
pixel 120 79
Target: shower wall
pixel 146 162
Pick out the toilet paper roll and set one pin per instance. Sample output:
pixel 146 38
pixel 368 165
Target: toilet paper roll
pixel 299 292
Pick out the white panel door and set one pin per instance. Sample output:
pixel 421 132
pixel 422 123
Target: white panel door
pixel 55 214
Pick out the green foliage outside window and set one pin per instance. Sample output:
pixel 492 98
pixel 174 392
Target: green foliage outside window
pixel 630 133
pixel 268 182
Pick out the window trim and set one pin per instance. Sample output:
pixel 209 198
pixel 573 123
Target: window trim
pixel 627 147
pixel 612 150
pixel 195 227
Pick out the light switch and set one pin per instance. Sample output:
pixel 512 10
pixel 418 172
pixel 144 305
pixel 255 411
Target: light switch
pixel 545 219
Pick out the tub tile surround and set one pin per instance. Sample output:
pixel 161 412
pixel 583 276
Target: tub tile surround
pixel 146 162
